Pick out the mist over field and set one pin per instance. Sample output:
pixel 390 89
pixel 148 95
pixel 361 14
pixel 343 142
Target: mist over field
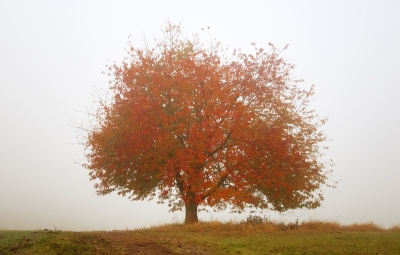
pixel 52 54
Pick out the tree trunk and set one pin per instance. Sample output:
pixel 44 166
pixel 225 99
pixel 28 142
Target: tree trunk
pixel 191 213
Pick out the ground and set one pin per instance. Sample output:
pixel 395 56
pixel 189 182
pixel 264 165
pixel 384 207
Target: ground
pixel 207 238
pixel 93 242
pixel 149 245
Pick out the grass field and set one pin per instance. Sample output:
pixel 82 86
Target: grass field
pixel 212 238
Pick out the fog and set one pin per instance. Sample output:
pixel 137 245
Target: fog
pixel 52 54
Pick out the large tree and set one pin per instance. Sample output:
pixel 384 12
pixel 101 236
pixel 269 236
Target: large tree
pixel 194 126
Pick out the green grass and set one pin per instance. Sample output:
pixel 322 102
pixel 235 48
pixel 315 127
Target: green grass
pixel 302 243
pixel 11 241
pixel 312 237
pixel 308 238
pixel 46 242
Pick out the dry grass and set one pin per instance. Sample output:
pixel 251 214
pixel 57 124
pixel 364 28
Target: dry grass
pixel 395 228
pixel 243 228
pixel 216 227
pixel 335 226
pixel 363 227
pixel 320 226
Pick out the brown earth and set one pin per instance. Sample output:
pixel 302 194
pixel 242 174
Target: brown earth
pixel 127 243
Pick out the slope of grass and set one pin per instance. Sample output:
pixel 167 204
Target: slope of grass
pixel 313 237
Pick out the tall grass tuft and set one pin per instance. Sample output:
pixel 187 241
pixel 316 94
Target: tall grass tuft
pixel 395 228
pixel 252 226
pixel 315 225
pixel 363 227
pixel 216 227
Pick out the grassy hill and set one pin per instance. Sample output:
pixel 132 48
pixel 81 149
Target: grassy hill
pixel 253 236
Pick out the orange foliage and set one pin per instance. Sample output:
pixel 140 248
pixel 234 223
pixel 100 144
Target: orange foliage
pixel 194 127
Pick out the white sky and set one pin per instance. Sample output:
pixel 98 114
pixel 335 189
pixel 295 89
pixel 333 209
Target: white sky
pixel 52 53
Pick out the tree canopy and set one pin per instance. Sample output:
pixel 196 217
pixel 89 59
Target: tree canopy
pixel 194 125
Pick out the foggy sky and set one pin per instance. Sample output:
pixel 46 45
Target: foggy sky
pixel 52 53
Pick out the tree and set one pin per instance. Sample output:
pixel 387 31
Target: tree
pixel 193 127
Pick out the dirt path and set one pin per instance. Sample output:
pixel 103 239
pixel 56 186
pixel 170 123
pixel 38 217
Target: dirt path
pixel 118 242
